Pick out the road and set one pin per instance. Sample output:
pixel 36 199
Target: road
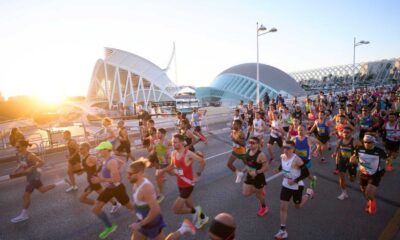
pixel 59 215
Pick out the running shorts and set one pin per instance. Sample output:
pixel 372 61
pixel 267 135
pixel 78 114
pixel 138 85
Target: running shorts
pixel 125 146
pixel 153 228
pixel 118 193
pixel 32 185
pixel 392 146
pixel 374 179
pixel 258 181
pixel 278 140
pixel 345 165
pixel 287 194
pixel 185 192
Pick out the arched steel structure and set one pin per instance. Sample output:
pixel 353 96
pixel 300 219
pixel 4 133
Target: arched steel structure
pixel 126 78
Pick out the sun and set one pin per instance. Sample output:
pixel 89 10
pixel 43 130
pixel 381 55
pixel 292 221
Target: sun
pixel 50 97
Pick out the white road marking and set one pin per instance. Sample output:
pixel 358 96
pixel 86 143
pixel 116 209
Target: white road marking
pixel 219 154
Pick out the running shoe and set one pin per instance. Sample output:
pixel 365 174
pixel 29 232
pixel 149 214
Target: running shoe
pixel 343 196
pixel 107 231
pixel 196 215
pixel 66 180
pixel 310 193
pixel 114 208
pixel 313 182
pixel 262 211
pixel 71 188
pixel 201 222
pixel 187 226
pixel 281 234
pixel 372 207
pixel 389 168
pixel 160 198
pixel 336 172
pixel 20 218
pixel 239 176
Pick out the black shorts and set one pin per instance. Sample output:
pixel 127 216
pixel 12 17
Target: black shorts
pixel 257 182
pixel 345 165
pixel 374 179
pixel 197 129
pixel 278 140
pixel 286 129
pixel 287 194
pixel 92 187
pixel 75 159
pixel 32 185
pixel 125 146
pixel 323 139
pixel 118 193
pixel 185 192
pixel 392 146
pixel 250 121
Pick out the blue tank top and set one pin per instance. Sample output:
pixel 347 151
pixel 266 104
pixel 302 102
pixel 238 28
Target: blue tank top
pixel 105 173
pixel 323 129
pixel 302 149
pixel 366 122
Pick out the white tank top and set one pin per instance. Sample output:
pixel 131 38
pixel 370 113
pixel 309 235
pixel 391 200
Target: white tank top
pixel 258 127
pixel 290 173
pixel 275 124
pixel 392 132
pixel 136 190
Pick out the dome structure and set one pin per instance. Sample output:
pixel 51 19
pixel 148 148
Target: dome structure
pixel 240 83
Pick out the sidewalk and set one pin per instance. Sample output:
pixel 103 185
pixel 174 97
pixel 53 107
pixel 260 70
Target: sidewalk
pixel 213 116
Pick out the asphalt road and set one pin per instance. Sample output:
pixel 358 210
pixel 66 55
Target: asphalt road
pixel 59 215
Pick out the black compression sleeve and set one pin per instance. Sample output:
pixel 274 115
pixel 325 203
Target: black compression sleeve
pixel 303 173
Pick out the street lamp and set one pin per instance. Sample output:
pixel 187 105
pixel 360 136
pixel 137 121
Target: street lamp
pixel 362 42
pixel 261 30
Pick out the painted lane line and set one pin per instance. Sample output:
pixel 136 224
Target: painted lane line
pixel 219 154
pixel 274 176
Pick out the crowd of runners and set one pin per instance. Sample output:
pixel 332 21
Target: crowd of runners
pixel 350 126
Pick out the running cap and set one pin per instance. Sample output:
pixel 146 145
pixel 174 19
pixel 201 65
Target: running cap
pixel 106 145
pixel 369 138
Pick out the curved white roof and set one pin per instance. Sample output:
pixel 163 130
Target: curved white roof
pixel 138 65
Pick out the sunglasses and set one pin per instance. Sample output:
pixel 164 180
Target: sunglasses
pixel 132 173
pixel 252 142
pixel 368 142
pixel 287 147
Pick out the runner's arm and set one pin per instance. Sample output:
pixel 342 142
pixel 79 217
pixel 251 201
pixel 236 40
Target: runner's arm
pixel 303 170
pixel 265 166
pixel 199 159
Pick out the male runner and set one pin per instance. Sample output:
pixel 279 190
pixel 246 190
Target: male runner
pixel 90 166
pixel 28 163
pixel 124 142
pixel 294 171
pixel 323 136
pixel 256 165
pixel 110 175
pixel 238 149
pixel 74 161
pixel 181 163
pixel 371 167
pixel 161 149
pixel 276 134
pixel 391 139
pixel 344 150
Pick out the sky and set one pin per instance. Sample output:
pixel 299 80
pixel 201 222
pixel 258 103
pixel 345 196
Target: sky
pixel 49 48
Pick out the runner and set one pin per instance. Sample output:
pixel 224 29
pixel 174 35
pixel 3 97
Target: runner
pixel 90 166
pixel 74 161
pixel 250 112
pixel 109 133
pixel 110 174
pixel 181 164
pixel 259 128
pixel 366 122
pixel 292 186
pixel 323 136
pixel 196 123
pixel 150 222
pixel 293 129
pixel 370 159
pixel 190 138
pixel 391 139
pixel 344 150
pixel 124 142
pixel 238 149
pixel 303 146
pixel 256 165
pixel 275 135
pixel 28 164
pixel 163 154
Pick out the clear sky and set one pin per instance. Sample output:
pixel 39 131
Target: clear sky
pixel 49 48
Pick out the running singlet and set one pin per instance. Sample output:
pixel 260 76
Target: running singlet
pixel 392 132
pixel 90 171
pixel 323 129
pixel 366 122
pixel 27 163
pixel 302 149
pixel 370 160
pixel 275 125
pixel 346 150
pixel 105 173
pixel 251 161
pixel 142 209
pixel 293 132
pixel 290 173
pixel 258 127
pixel 162 153
pixel 238 148
pixel 184 173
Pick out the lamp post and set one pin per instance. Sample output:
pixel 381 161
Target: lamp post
pixel 263 31
pixel 356 44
